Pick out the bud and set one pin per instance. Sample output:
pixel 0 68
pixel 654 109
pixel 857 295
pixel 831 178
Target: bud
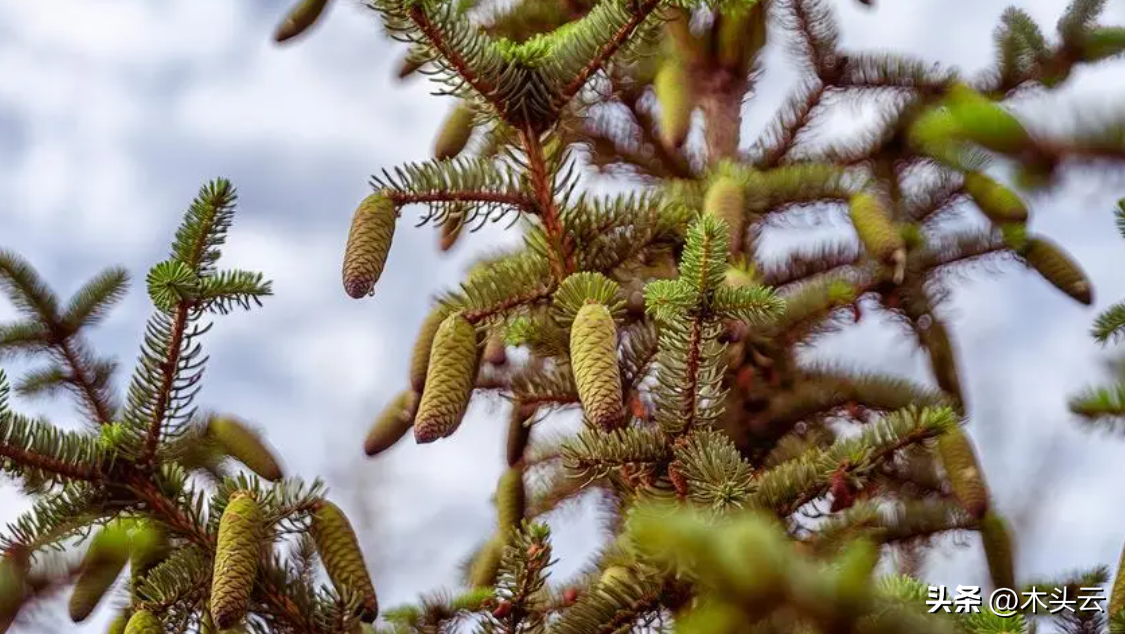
pixel 236 559
pixel 960 462
pixel 511 500
pixel 343 560
pixel 502 609
pixel 725 201
pixel 1050 261
pixel 997 540
pixel 486 564
pixel 495 352
pixel 998 203
pixel 420 360
pixel 593 357
pixel 144 622
pixel 449 380
pixel 392 424
pixel 985 122
pixel 300 18
pixel 570 595
pixel 104 560
pixel 874 227
pixel 454 134
pixel 673 93
pixel 244 445
pixel 518 431
pixel 369 242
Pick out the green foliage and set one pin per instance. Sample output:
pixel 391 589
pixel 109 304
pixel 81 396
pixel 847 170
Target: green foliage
pixel 746 488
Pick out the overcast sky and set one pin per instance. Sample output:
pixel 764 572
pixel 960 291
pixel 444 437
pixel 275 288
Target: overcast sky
pixel 113 113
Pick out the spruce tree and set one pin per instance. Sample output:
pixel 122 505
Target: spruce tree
pixel 745 489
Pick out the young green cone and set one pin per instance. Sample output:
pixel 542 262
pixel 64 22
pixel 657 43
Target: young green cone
pixel 236 559
pixel 874 227
pixel 1117 595
pixel 943 363
pixel 725 200
pixel 343 560
pixel 144 622
pixel 673 93
pixel 518 432
pixel 960 462
pixel 149 546
pixel 998 203
pixel 997 541
pixel 240 442
pixel 13 587
pixel 104 560
pixel 1051 262
pixel 511 498
pixel 300 18
pixel 593 358
pixel 985 122
pixel 450 378
pixel 486 563
pixel 454 134
pixel 423 345
pixel 392 424
pixel 369 242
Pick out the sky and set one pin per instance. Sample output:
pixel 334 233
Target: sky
pixel 113 113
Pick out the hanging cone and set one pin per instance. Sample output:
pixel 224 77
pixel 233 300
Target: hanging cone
pixel 369 242
pixel 1051 262
pixel 244 445
pixel 725 200
pixel 300 19
pixel 104 560
pixel 511 498
pixel 997 541
pixel 593 359
pixel 986 122
pixel 943 361
pixel 673 93
pixel 449 381
pixel 420 359
pixel 965 476
pixel 518 432
pixel 874 226
pixel 144 622
pixel 998 203
pixel 454 134
pixel 486 564
pixel 236 559
pixel 343 560
pixel 392 424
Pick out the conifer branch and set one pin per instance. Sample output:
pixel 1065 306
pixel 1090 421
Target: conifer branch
pixel 562 262
pixel 640 12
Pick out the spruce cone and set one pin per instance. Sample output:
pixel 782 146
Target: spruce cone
pixel 449 380
pixel 673 93
pixel 1050 261
pixel 392 424
pixel 1117 595
pixel 244 445
pixel 998 203
pixel 149 547
pixel 451 228
pixel 960 462
pixel 986 122
pixel 997 540
pixel 119 623
pixel 511 499
pixel 593 357
pixel 300 18
pixel 486 564
pixel 725 201
pixel 144 622
pixel 343 560
pixel 518 431
pixel 369 242
pixel 106 557
pixel 873 225
pixel 454 134
pixel 420 360
pixel 943 363
pixel 13 587
pixel 236 559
